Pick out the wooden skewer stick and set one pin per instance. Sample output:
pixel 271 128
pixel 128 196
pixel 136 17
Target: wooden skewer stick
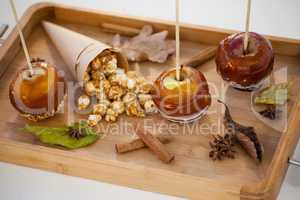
pixel 177 36
pixel 200 57
pixel 21 37
pixel 247 25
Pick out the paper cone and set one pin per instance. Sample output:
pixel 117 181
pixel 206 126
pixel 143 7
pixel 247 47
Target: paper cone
pixel 78 50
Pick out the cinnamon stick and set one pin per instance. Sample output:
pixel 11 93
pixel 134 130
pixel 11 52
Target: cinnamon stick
pixel 119 29
pixel 155 145
pixel 201 57
pixel 138 144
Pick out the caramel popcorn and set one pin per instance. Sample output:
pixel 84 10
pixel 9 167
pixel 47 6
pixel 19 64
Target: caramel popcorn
pixel 129 97
pixel 101 95
pixel 109 64
pixel 118 79
pixel 134 109
pixel 106 86
pixel 93 120
pixel 120 71
pixel 83 102
pixel 97 75
pixel 115 92
pixel 96 83
pixel 96 64
pixel 131 84
pixel 118 107
pixel 86 77
pixel 150 107
pixel 111 115
pixel 90 88
pixel 101 107
pixel 140 80
pixel 143 98
pixel 144 88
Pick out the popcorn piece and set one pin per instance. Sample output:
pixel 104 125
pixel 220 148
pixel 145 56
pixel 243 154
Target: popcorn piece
pixel 135 109
pixel 93 120
pixel 96 83
pixel 97 75
pixel 129 97
pixel 131 84
pixel 101 107
pixel 118 107
pixel 109 63
pixel 120 71
pixel 111 115
pixel 118 79
pixel 115 92
pixel 86 77
pixel 144 88
pixel 143 98
pixel 140 80
pixel 83 102
pixel 101 95
pixel 96 64
pixel 150 107
pixel 90 88
pixel 89 69
pixel 113 80
pixel 106 86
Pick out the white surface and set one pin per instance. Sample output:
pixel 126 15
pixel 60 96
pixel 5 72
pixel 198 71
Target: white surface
pixel 273 17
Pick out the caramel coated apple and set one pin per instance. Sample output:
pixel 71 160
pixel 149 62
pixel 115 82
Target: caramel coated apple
pixel 38 96
pixel 186 97
pixel 244 69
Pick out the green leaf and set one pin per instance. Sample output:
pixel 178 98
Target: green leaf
pixel 61 137
pixel 275 95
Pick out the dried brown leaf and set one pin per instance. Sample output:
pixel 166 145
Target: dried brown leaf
pixel 146 46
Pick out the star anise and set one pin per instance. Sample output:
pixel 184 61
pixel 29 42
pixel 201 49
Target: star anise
pixel 222 147
pixel 76 133
pixel 271 112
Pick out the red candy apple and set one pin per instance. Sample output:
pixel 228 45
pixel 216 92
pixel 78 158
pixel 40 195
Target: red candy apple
pixel 244 68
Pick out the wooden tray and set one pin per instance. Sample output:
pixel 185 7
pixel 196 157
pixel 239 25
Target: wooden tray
pixel 192 174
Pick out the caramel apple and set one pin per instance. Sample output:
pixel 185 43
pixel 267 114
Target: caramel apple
pixel 181 100
pixel 37 96
pixel 244 69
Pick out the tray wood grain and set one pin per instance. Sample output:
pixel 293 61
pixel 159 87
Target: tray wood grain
pixel 192 174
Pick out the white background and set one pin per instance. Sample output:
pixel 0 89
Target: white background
pixel 273 17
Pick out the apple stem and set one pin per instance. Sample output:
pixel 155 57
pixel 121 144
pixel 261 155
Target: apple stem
pixel 247 25
pixel 177 36
pixel 13 7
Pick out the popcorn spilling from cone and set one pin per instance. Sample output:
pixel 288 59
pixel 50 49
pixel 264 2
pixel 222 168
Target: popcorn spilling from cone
pixel 116 91
pixel 103 74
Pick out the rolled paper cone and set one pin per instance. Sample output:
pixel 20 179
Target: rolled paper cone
pixel 78 50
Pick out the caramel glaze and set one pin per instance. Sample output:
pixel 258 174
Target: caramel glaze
pixel 190 97
pixel 245 68
pixel 39 95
